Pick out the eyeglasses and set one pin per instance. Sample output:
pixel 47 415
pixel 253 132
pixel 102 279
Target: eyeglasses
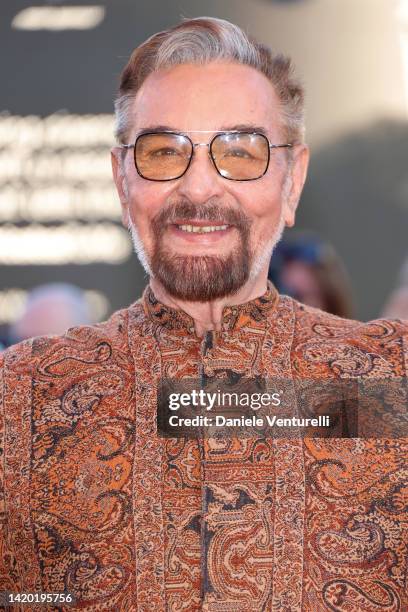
pixel 237 156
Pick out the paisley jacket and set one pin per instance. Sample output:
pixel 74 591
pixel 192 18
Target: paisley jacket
pixel 96 504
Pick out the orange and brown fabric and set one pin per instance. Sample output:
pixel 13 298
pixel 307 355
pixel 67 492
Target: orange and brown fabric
pixel 95 503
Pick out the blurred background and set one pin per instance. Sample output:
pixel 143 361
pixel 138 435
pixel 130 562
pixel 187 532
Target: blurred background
pixel 59 213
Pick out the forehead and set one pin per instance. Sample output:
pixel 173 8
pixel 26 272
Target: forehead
pixel 210 97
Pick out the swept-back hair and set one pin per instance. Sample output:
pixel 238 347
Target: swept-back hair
pixel 201 41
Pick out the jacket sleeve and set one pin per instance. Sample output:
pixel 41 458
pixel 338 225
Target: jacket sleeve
pixel 7 561
pixel 10 570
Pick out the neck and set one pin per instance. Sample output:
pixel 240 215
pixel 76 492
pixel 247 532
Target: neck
pixel 207 316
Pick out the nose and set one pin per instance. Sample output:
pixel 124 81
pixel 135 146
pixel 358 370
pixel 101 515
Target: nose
pixel 201 181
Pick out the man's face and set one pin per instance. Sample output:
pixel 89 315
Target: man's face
pixel 199 101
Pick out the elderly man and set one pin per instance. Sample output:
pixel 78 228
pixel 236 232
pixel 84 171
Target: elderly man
pixel 209 169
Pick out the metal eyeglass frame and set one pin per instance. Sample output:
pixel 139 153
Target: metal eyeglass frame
pixel 205 144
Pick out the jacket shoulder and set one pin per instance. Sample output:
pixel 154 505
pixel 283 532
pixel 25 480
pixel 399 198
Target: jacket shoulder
pixel 311 320
pixel 347 347
pixel 97 340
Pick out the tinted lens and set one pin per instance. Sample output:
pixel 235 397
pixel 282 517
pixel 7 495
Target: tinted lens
pixel 241 157
pixel 162 157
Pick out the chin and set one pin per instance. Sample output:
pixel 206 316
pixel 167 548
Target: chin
pixel 201 278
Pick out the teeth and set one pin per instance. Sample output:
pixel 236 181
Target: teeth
pixel 197 229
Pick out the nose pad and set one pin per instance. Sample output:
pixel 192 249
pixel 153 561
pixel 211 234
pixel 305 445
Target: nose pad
pixel 210 155
pixel 204 144
pixel 200 182
pixel 213 160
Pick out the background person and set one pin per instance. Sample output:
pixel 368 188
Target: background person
pixel 309 270
pixel 396 306
pixel 50 309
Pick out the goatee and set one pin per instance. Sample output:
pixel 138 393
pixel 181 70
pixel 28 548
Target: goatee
pixel 201 278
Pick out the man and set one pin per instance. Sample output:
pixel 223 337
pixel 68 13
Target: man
pixel 209 169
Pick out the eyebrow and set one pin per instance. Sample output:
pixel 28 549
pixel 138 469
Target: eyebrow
pixel 245 127
pixel 240 127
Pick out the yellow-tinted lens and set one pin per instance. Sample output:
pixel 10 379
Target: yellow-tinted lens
pixel 241 157
pixel 161 157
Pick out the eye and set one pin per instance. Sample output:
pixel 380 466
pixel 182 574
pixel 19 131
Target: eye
pixel 241 153
pixel 165 152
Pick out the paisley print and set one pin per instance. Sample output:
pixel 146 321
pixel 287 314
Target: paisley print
pixel 94 502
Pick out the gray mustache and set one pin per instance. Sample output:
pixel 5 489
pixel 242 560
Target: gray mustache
pixel 202 212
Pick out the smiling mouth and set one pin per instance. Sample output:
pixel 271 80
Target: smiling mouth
pixel 202 229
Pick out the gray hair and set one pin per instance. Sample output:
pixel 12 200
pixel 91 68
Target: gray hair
pixel 201 41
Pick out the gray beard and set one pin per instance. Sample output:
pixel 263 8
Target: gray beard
pixel 202 278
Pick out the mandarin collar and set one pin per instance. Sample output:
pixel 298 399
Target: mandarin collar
pixel 251 315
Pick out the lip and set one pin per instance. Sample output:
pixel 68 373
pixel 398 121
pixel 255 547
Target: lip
pixel 200 223
pixel 207 238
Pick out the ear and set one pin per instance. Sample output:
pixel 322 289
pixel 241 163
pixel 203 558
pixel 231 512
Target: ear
pixel 120 182
pixel 297 177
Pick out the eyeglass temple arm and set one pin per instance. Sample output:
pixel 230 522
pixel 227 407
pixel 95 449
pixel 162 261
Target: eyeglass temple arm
pixel 280 146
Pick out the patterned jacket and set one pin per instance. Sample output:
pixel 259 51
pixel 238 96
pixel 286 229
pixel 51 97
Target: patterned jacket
pixel 96 504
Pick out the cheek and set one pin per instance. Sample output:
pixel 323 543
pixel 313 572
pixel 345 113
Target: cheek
pixel 144 202
pixel 262 200
pixel 266 214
